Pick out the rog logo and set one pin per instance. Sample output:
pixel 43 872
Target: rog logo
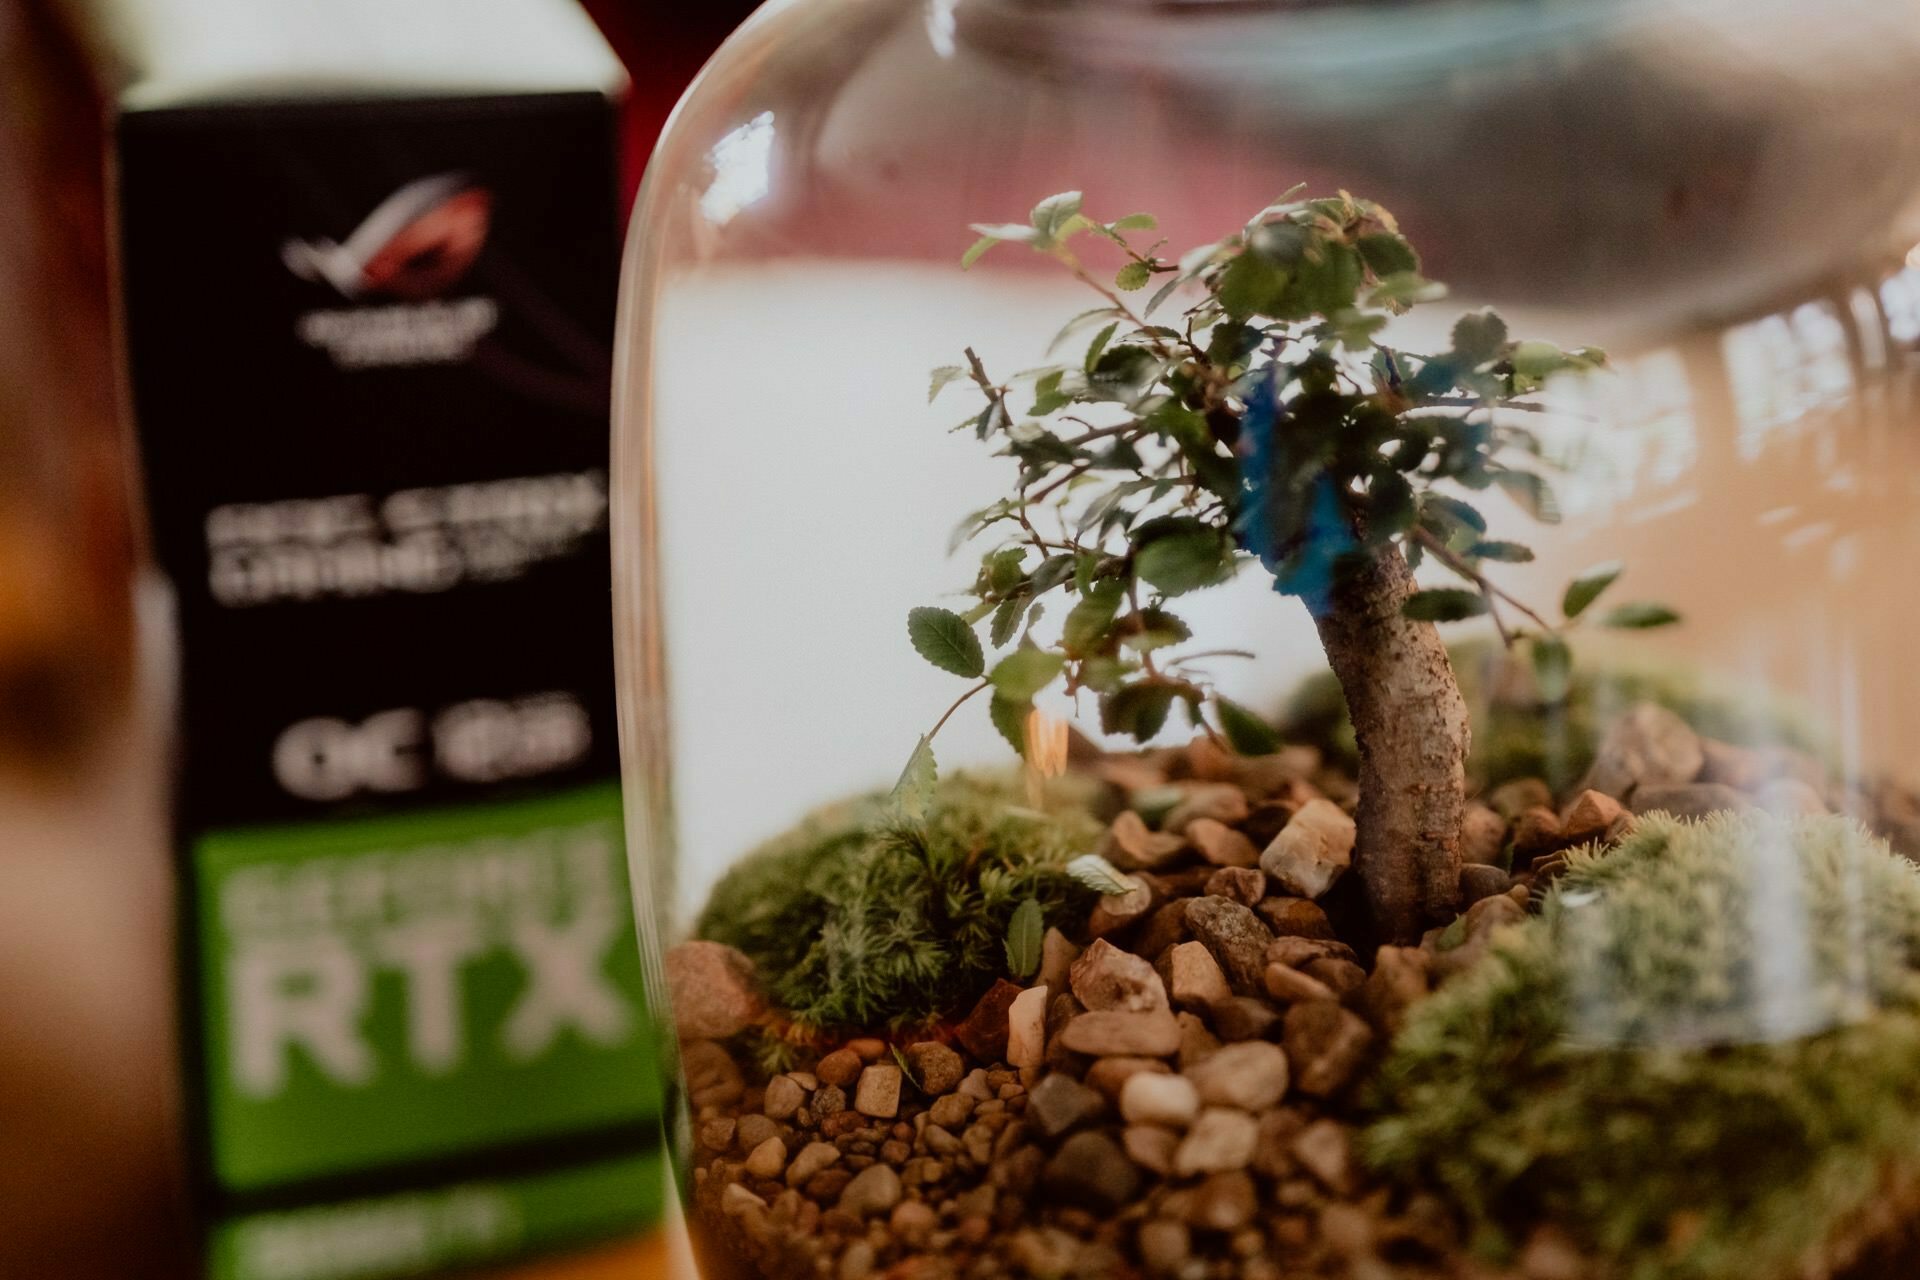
pixel 418 243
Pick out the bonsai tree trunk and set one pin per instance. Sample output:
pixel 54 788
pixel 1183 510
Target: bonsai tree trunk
pixel 1411 726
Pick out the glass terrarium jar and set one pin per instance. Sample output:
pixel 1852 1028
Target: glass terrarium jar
pixel 1405 766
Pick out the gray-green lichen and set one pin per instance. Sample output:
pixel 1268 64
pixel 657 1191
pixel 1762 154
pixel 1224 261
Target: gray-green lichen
pixel 1702 1059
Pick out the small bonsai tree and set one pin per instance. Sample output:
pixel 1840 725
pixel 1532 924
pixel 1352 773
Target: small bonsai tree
pixel 1267 422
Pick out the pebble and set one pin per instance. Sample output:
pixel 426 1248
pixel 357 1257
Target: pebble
pixel 1214 802
pixel 1092 1171
pixel 828 1100
pixel 1325 1150
pixel 1219 1140
pixel 1479 881
pixel 713 1078
pixel 1197 1043
pixel 870 1048
pixel 717 1134
pixel 1244 1018
pixel 1511 799
pixel 1106 1033
pixel 1236 938
pixel 1648 746
pixel 1060 1104
pixel 913 1221
pixel 951 1111
pixel 1057 954
pixel 1295 918
pixel 1106 977
pixel 1110 1075
pixel 1195 978
pixel 1312 851
pixel 1251 1077
pixel 1151 1147
pixel 768 1160
pixel 1343 976
pixel 984 1033
pixel 1166 927
pixel 1483 835
pixel 736 1200
pixel 1168 1100
pixel 975 1085
pixel 1131 846
pixel 1165 1246
pixel 857 1262
pixel 784 1097
pixel 1027 1028
pixel 1790 798
pixel 1325 1044
pixel 1589 817
pixel 1245 885
pixel 1290 986
pixel 710 987
pixel 1535 834
pixel 936 1068
pixel 1116 911
pixel 840 1067
pixel 1224 1202
pixel 1221 845
pixel 878 1094
pixel 755 1129
pixel 813 1158
pixel 1398 982
pixel 874 1190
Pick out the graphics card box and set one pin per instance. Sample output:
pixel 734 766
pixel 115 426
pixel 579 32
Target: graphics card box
pixel 367 256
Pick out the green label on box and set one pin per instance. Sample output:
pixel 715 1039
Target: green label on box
pixel 423 1231
pixel 384 991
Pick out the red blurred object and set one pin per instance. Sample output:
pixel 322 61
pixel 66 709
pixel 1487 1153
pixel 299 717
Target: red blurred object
pixel 664 47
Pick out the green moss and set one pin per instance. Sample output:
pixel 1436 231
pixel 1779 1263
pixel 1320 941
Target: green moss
pixel 1702 1059
pixel 856 920
pixel 1516 735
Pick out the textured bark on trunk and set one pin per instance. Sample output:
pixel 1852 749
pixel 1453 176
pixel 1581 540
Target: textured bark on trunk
pixel 1411 725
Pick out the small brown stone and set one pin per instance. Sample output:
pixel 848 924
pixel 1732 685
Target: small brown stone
pixel 1110 1075
pixel 1060 1104
pixel 1105 977
pixel 984 1033
pixel 812 1158
pixel 1245 885
pixel 1115 911
pixel 1691 800
pixel 1194 977
pixel 1197 1043
pixel 1092 1171
pixel 1648 746
pixel 1343 977
pixel 1790 798
pixel 1250 1077
pixel 828 1100
pixel 1057 955
pixel 1027 1028
pixel 1110 1033
pixel 768 1160
pixel 870 1048
pixel 1290 986
pixel 1478 881
pixel 1221 1139
pixel 784 1097
pixel 1213 801
pixel 841 1067
pixel 713 1077
pixel 1236 938
pixel 1165 927
pixel 1400 980
pixel 1589 817
pixel 1325 1150
pixel 1165 1246
pixel 1294 952
pixel 1223 1202
pixel 1536 833
pixel 1132 846
pixel 1483 835
pixel 1295 918
pixel 711 990
pixel 1325 1046
pixel 1221 845
pixel 879 1091
pixel 1151 1147
pixel 1511 799
pixel 1243 1018
pixel 717 1134
pixel 1313 851
pixel 936 1068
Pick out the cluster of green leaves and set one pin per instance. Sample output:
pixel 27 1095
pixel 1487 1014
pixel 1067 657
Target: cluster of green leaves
pixel 1267 421
pixel 1700 1059
pixel 860 919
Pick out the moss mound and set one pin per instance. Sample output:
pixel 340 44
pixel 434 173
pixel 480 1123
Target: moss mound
pixel 1702 1059
pixel 1517 734
pixel 858 921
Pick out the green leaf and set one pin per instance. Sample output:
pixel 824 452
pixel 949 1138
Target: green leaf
pixel 1025 932
pixel 943 638
pixel 1136 222
pixel 1588 587
pixel 1025 672
pixel 1640 616
pixel 1184 562
pixel 1133 277
pixel 1099 875
pixel 1249 733
pixel 1090 620
pixel 1479 336
pixel 906 1068
pixel 1158 629
pixel 1444 604
pixel 1540 360
pixel 943 377
pixel 1388 254
pixel 1552 668
pixel 978 251
pixel 1003 569
pixel 1052 572
pixel 1051 216
pixel 1006 621
pixel 1534 494
pixel 1010 718
pixel 1454 511
pixel 913 793
pixel 1099 346
pixel 1138 710
pixel 1405 290
pixel 1504 552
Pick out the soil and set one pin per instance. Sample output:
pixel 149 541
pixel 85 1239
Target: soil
pixel 1175 1094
